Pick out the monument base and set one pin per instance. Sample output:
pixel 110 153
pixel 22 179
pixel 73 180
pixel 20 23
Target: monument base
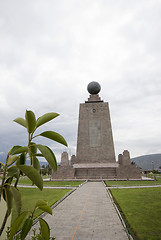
pixel 97 171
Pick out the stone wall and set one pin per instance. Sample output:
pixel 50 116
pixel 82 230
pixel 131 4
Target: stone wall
pixel 95 173
pixel 128 172
pixel 63 173
pixel 73 160
pixel 64 159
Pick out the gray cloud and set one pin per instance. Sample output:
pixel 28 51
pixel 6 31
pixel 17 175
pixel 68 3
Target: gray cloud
pixel 51 50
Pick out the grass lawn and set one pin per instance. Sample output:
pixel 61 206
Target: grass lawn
pixel 63 183
pixel 142 209
pixel 111 183
pixel 31 195
pixel 26 181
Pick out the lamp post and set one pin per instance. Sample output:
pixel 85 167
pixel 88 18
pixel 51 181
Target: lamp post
pixel 153 170
pixel 152 166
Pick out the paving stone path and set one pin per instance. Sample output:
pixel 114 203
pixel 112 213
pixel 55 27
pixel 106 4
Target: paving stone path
pixel 86 214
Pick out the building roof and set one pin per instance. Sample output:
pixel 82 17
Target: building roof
pixel 95 165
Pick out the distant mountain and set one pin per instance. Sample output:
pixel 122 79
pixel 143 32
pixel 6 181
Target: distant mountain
pixel 148 162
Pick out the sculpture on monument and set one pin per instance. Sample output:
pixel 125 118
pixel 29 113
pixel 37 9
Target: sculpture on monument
pixel 95 155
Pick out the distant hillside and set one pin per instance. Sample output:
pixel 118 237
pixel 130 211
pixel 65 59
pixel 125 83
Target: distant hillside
pixel 148 162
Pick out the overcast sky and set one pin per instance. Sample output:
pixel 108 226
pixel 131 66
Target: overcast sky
pixel 50 50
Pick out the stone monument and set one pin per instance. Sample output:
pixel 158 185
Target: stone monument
pixel 95 155
pixel 95 149
pixel 95 140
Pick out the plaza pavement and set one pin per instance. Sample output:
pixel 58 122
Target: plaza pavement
pixel 86 214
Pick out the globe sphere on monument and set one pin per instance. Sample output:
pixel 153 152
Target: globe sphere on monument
pixel 94 87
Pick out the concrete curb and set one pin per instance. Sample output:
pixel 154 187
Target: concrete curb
pixel 82 183
pixel 59 201
pixel 118 212
pixel 54 205
pixel 46 187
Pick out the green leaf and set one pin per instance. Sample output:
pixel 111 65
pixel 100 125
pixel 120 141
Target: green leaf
pixel 30 120
pixel 38 155
pixel 44 206
pixel 4 194
pixel 20 150
pixel 48 155
pixel 32 174
pixel 9 199
pixel 44 229
pixel 40 202
pixel 13 149
pixel 17 198
pixel 22 159
pixel 17 224
pixel 21 121
pixel 26 227
pixel 8 181
pixel 46 118
pixel 13 172
pixel 54 136
pixel 36 164
pixel 11 160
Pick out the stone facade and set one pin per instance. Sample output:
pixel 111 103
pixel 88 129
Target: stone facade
pixel 63 173
pixel 95 170
pixel 73 160
pixel 95 141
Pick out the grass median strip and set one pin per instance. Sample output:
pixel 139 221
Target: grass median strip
pixel 63 183
pixel 142 210
pixel 112 183
pixel 52 183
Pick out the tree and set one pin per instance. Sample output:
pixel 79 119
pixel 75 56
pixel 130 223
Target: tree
pixel 15 166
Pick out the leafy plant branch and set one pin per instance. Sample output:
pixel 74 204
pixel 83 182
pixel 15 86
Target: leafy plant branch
pixel 15 166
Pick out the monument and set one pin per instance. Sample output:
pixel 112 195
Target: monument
pixel 95 155
pixel 95 141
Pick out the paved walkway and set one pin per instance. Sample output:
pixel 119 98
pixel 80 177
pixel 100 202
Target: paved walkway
pixel 86 214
